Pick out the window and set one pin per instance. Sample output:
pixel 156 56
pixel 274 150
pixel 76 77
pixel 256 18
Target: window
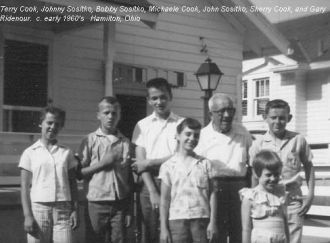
pixel 244 98
pixel 127 73
pixel 134 74
pixel 25 85
pixel 261 95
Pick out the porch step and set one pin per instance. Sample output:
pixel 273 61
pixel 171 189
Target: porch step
pixel 10 180
pixel 319 211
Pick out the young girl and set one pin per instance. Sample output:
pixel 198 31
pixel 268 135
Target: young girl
pixel 187 206
pixel 48 186
pixel 264 207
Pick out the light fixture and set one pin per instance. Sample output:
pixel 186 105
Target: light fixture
pixel 208 76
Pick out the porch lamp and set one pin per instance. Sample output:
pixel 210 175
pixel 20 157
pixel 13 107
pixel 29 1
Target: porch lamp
pixel 208 76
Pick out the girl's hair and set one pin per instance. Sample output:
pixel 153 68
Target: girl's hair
pixel 266 159
pixel 190 123
pixel 58 112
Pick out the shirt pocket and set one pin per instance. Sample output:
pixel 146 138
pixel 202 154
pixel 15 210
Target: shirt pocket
pixel 293 161
pixel 201 179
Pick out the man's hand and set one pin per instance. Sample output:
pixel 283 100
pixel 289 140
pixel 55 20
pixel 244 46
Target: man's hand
pixel 74 220
pixel 212 232
pixel 165 236
pixel 155 200
pixel 128 220
pixel 140 166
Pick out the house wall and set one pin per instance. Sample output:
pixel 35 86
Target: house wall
pixel 301 103
pixel 307 92
pixel 76 76
pixel 174 45
pixel 317 87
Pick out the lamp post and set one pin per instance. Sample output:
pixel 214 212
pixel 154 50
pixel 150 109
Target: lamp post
pixel 208 76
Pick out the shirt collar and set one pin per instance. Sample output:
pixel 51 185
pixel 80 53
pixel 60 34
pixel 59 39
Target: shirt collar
pixel 211 130
pixel 118 135
pixel 174 159
pixel 268 137
pixel 171 117
pixel 39 144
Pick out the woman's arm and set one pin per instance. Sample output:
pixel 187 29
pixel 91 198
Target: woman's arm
pixel 29 221
pixel 246 220
pixel 165 199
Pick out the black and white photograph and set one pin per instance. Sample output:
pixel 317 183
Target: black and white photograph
pixel 164 121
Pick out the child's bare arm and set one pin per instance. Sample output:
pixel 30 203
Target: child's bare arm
pixel 29 221
pixel 165 200
pixel 286 227
pixel 74 217
pixel 212 229
pixel 147 179
pixel 310 179
pixel 246 220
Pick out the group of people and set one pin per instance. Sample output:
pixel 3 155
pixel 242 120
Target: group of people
pixel 193 181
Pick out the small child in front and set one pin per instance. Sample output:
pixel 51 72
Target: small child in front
pixel 264 206
pixel 188 202
pixel 50 204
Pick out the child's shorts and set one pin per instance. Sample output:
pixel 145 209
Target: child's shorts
pixel 189 230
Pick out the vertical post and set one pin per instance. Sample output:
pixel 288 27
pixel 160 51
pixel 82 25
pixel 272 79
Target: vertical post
pixel 2 79
pixel 206 97
pixel 109 49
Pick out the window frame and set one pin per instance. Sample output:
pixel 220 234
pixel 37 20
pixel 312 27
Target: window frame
pixel 255 98
pixel 47 41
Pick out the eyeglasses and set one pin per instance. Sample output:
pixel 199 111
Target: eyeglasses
pixel 229 110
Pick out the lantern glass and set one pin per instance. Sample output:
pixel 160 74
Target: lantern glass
pixel 208 75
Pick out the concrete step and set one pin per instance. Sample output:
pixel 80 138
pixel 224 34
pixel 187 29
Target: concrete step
pixel 316 231
pixel 10 180
pixel 319 211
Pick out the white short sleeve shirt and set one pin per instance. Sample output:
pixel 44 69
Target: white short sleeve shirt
pixel 228 152
pixel 50 178
pixel 157 136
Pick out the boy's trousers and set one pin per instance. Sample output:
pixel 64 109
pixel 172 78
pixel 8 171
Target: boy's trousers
pixel 108 220
pixel 53 221
pixel 150 217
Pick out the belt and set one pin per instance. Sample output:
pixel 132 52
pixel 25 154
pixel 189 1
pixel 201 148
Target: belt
pixel 231 178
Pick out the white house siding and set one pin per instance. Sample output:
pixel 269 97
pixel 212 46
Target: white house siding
pixel 301 104
pixel 318 106
pixel 317 88
pixel 78 76
pixel 76 63
pixel 174 45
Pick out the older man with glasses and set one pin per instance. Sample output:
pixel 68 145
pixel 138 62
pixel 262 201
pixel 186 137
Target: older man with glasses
pixel 226 145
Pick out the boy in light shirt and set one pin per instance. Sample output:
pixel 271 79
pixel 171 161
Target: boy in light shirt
pixel 294 152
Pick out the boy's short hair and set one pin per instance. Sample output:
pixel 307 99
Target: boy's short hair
pixel 110 100
pixel 277 103
pixel 58 112
pixel 159 83
pixel 190 123
pixel 266 159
